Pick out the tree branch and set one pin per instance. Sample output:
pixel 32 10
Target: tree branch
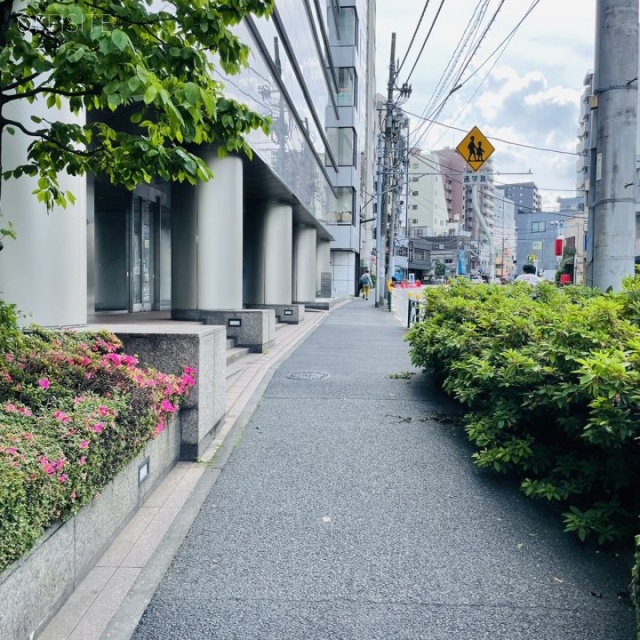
pixel 4 122
pixel 42 89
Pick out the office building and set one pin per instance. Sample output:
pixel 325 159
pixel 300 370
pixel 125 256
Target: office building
pixel 281 228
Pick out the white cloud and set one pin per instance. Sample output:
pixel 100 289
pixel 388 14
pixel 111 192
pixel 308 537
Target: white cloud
pixel 531 97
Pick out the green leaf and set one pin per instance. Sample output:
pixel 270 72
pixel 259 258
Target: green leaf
pixel 120 39
pixel 150 94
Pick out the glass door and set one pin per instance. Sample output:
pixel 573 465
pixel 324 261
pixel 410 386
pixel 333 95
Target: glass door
pixel 142 255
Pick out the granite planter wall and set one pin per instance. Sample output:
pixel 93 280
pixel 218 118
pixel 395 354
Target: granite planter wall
pixel 170 348
pixel 33 588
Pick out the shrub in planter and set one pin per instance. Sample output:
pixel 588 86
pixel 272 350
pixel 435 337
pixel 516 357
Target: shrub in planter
pixel 74 410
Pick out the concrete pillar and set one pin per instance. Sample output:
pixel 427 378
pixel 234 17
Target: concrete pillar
pixel 304 256
pixel 207 239
pixel 323 264
pixel 278 254
pixel 219 214
pixel 44 271
pixel 184 248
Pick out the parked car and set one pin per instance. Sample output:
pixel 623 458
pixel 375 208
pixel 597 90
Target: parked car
pixel 476 279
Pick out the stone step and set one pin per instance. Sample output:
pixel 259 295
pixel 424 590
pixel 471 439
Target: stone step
pixel 235 353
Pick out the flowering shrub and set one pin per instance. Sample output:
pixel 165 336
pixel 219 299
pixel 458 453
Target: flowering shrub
pixel 74 410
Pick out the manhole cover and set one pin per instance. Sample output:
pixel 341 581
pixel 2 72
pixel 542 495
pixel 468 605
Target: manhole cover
pixel 308 375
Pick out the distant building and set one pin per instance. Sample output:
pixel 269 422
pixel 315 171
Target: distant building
pixel 574 233
pixel 428 214
pixel 586 139
pixel 452 166
pixel 525 196
pixel 504 236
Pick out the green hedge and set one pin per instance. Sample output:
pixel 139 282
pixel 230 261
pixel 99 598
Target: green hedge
pixel 74 410
pixel 550 378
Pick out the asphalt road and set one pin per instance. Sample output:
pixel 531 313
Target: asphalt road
pixel 350 509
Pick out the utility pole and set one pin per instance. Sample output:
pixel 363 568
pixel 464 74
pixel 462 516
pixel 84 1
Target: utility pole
pixel 379 228
pixel 386 213
pixel 612 226
pixel 383 212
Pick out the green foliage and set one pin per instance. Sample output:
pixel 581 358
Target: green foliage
pixel 635 585
pixel 551 380
pixel 10 334
pixel 74 410
pixel 153 66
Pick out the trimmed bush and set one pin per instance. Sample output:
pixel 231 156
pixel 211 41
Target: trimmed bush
pixel 550 378
pixel 74 410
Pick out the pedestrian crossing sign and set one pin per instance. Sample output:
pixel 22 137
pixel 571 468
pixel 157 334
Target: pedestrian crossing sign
pixel 475 148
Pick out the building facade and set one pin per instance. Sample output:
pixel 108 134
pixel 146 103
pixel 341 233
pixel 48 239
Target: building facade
pixel 268 231
pixel 428 213
pixel 504 237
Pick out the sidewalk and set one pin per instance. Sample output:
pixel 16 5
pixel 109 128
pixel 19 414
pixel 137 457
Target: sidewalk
pixel 347 507
pixel 115 593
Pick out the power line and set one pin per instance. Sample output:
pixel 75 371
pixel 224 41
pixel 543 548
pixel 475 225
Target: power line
pixel 413 37
pixel 468 32
pixel 456 82
pixel 433 24
pixel 505 42
pixel 515 144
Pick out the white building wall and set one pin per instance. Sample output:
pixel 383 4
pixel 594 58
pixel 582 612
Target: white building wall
pixel 343 268
pixel 428 214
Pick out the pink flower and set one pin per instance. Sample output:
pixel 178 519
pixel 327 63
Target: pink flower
pixel 44 383
pixel 168 407
pixel 60 464
pixel 188 379
pixel 84 444
pixel 61 416
pixel 82 461
pixel 98 427
pixel 85 360
pixel 10 407
pixel 27 436
pixel 72 495
pixel 63 478
pixel 103 411
pixel 8 378
pixel 11 450
pixel 8 357
pixel 47 466
pixel 160 427
pixel 25 411
pixel 78 400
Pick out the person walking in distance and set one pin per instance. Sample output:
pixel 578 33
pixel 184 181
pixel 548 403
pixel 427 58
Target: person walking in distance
pixel 528 274
pixel 365 284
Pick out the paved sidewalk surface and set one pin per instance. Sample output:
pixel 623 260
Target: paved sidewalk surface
pixel 350 509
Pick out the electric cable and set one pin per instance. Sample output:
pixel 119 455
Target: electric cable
pixel 467 34
pixel 413 37
pixel 424 43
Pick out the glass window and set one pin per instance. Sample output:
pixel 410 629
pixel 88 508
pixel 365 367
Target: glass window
pixel 343 144
pixel 347 84
pixel 343 30
pixel 538 227
pixel 345 198
pixel 342 211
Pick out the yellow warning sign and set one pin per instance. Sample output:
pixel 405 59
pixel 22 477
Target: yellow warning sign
pixel 475 149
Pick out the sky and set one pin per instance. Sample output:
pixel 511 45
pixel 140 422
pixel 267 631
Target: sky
pixel 529 94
